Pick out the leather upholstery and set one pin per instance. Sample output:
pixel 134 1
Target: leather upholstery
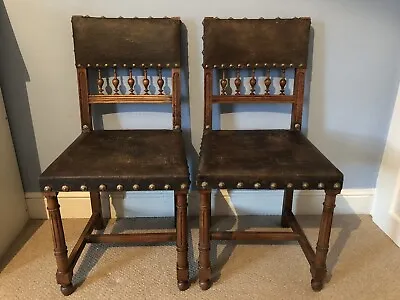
pixel 126 41
pixel 256 41
pixel 120 157
pixel 265 157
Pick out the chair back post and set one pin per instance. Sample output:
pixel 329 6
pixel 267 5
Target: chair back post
pixel 103 43
pixel 255 44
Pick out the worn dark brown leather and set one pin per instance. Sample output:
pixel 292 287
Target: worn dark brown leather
pixel 256 41
pixel 126 41
pixel 265 157
pixel 125 157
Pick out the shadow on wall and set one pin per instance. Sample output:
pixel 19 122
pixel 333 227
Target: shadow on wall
pixel 13 78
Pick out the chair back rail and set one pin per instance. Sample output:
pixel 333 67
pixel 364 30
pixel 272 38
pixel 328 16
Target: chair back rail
pixel 255 44
pixel 126 43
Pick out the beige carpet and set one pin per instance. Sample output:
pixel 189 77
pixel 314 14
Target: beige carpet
pixel 365 264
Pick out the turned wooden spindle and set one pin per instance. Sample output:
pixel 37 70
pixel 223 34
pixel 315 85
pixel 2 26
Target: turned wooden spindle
pixel 224 83
pixel 160 82
pixel 253 82
pixel 131 82
pixel 115 82
pixel 100 83
pixel 146 82
pixel 282 82
pixel 238 82
pixel 268 81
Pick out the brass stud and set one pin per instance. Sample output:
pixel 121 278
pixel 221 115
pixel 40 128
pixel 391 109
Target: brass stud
pixel 265 65
pixel 102 187
pixel 143 65
pixel 283 65
pixel 47 188
pixel 114 65
pixel 79 65
pixel 120 187
pixel 183 186
pixel 239 66
pixel 291 65
pixel 223 66
pixel 97 65
pixel 150 65
pixel 305 185
pixel 88 65
pixel 257 185
pixel 256 65
pixel 248 65
pixel 207 126
pixel 65 188
pixel 206 66
pixel 230 66
pixel 133 65
pixel 167 65
pixel 273 185
pixel 336 185
pixel 124 65
pixel 83 188
pixel 321 185
pixel 167 187
pixel 85 127
pixel 221 185
pixel 204 184
pixel 289 185
pixel 274 65
pixel 159 65
pixel 177 127
pixel 152 187
pixel 135 187
pixel 239 185
pixel 297 126
pixel 106 65
pixel 300 65
pixel 215 66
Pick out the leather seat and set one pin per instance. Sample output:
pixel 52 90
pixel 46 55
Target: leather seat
pixel 269 159
pixel 135 159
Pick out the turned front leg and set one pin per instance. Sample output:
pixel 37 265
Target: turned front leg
pixel 64 274
pixel 204 243
pixel 182 240
pixel 319 266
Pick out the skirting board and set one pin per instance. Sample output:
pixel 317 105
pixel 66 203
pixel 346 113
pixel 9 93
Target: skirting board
pixel 160 204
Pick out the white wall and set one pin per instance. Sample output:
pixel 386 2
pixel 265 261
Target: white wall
pixel 354 75
pixel 13 211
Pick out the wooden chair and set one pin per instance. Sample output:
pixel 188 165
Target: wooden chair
pixel 261 159
pixel 121 160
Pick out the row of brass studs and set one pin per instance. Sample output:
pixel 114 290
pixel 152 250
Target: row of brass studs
pixel 106 65
pixel 253 81
pixel 256 65
pixel 273 185
pixel 131 82
pixel 120 187
pixel 121 17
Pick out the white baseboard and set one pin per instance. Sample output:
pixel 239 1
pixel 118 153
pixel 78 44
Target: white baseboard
pixel 160 204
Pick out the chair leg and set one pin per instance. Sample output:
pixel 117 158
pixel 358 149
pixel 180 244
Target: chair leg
pixel 319 267
pixel 175 208
pixel 204 243
pixel 182 240
pixel 286 206
pixel 96 209
pixel 64 274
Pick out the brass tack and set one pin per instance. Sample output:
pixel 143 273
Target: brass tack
pixel 305 185
pixel 215 66
pixel 114 65
pixel 239 65
pixel 321 185
pixel 176 65
pixel 239 185
pixel 85 127
pixel 102 187
pixel 221 185
pixel 65 188
pixel 336 185
pixel 289 185
pixel 167 187
pixel 274 65
pixel 79 65
pixel 248 65
pixel 206 66
pixel 183 186
pixel 207 126
pixel 282 65
pixel 106 65
pixel 133 65
pixel 150 65
pixel 204 184
pixel 124 65
pixel 135 187
pixel 300 65
pixel 273 185
pixel 152 187
pixel 83 188
pixel 120 187
pixel 88 65
pixel 256 65
pixel 257 185
pixel 159 65
pixel 97 65
pixel 47 188
pixel 143 65
pixel 230 66
pixel 291 65
pixel 297 126
pixel 176 127
pixel 223 66
pixel 265 65
pixel 167 65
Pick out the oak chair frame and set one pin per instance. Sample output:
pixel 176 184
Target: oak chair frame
pixel 66 263
pixel 316 259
